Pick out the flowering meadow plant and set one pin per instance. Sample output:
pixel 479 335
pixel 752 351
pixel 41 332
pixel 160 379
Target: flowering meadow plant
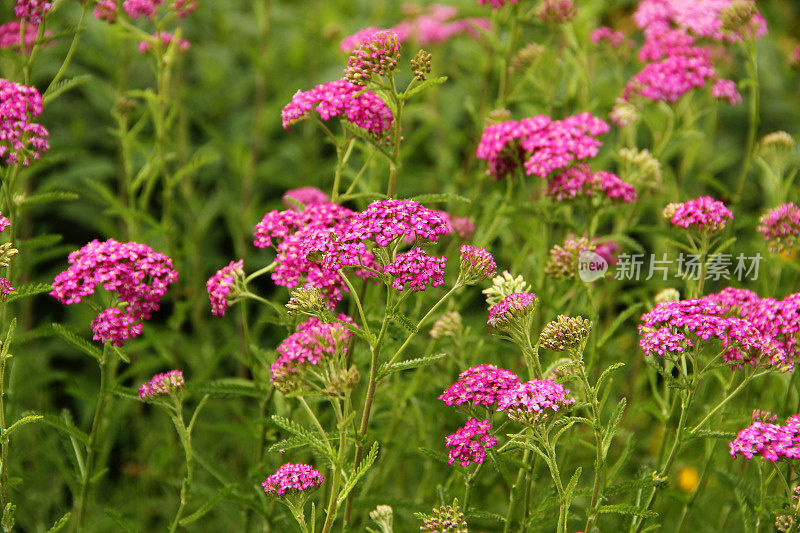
pixel 441 266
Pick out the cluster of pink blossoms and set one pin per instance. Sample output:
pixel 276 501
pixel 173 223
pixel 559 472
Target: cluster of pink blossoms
pixel 312 341
pixel 497 4
pixel 534 399
pixel 781 226
pixel 614 38
pixel 108 9
pixel 417 269
pixel 377 55
pixel 769 440
pixel 480 385
pixel 703 18
pixel 700 214
pixel 580 181
pixel 10 35
pixel 219 285
pixel 514 307
pixel 539 143
pixel 137 274
pixel 556 11
pixel 20 138
pixel 564 258
pixel 166 40
pixel 32 11
pixel 726 90
pixel 477 264
pixel 436 23
pixel 164 384
pixel 469 443
pixel 384 220
pixel 751 338
pixel 340 99
pixel 291 479
pixel 304 196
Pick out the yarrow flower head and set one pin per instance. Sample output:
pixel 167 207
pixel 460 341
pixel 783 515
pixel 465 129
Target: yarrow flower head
pixel 416 270
pixel 556 11
pixel 781 227
pixel 5 288
pixel 421 65
pixel 10 35
pixel 32 11
pixel 447 325
pixel 564 258
pixel 701 214
pixel 220 284
pixel 4 222
pixel 667 295
pixel 580 182
pixel 306 300
pixel 21 139
pixel 377 55
pixel 477 264
pixel 313 341
pixel 769 440
pixel 497 4
pixel 138 275
pixel 340 99
pixel 726 90
pixel 304 196
pixel 468 444
pixel 166 40
pixel 292 479
pixel 480 385
pixel 504 285
pixel 384 220
pixel 446 518
pixel 515 311
pixel 566 333
pixel 604 34
pixel 534 401
pixel 703 18
pixel 166 384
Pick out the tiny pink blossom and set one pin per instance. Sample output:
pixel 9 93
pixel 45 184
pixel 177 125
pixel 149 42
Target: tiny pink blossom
pixel 468 444
pixel 292 479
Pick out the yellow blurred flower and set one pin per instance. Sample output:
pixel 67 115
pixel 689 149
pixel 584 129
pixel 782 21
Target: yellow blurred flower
pixel 688 479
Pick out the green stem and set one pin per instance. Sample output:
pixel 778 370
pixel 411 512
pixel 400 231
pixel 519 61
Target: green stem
pixel 71 52
pixel 185 436
pixel 753 117
pixel 512 501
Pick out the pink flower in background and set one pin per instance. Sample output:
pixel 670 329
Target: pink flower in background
pixel 781 226
pixel 5 287
pixel 700 214
pixel 580 181
pixel 106 10
pixel 166 40
pixel 184 8
pixel 726 90
pixel 313 341
pixel 32 11
pixel 556 11
pixel 20 139
pixel 613 38
pixel 10 35
pixel 219 285
pixel 141 8
pixel 496 4
pixel 305 196
pixel 339 99
pixel 416 269
pixel 469 443
pixel 162 385
pixel 703 18
pixel 4 222
pixel 291 479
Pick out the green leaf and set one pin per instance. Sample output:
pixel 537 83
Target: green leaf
pixel 63 86
pixel 9 335
pixel 387 369
pixel 710 434
pixel 308 436
pixel 627 510
pixel 120 520
pixel 359 473
pixel 617 323
pixel 47 197
pixel 40 241
pixel 606 373
pixel 198 161
pixel 573 482
pixel 78 342
pixel 441 198
pixel 220 495
pixel 422 86
pixel 28 289
pixel 613 425
pixel 486 515
pixel 226 387
pixel 435 455
pixel 404 321
pixel 66 427
pixel 21 422
pixel 60 523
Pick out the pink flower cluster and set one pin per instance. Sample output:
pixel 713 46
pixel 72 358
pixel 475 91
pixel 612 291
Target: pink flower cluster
pixel 435 24
pixel 536 397
pixel 162 385
pixel 700 17
pixel 580 181
pixel 384 220
pixel 469 443
pixel 10 35
pixel 417 269
pixel 339 99
pixel 219 285
pixel 513 306
pixel 614 38
pixel 564 258
pixel 137 274
pixel 32 11
pixel 4 222
pixel 166 40
pixel 726 90
pixel 700 214
pixel 305 196
pixel 377 55
pixel 477 264
pixel 20 138
pixel 781 226
pixel 291 479
pixel 496 4
pixel 312 341
pixel 480 385
pixel 539 143
pixel 5 287
pixel 754 337
pixel 769 440
pixel 556 11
